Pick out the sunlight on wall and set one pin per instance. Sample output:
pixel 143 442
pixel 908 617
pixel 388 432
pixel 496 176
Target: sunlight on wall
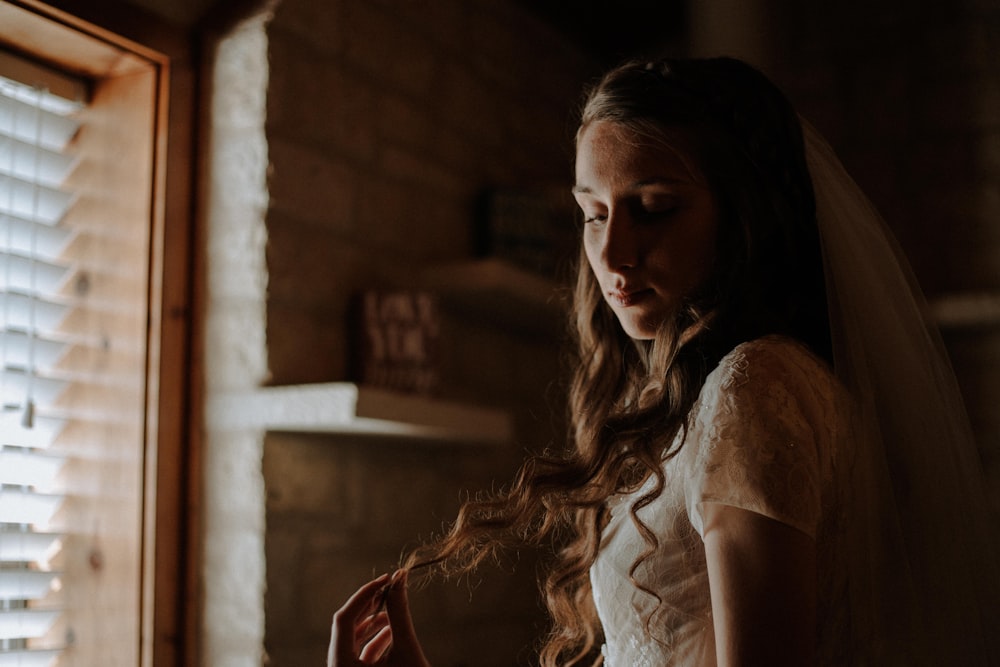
pixel 234 347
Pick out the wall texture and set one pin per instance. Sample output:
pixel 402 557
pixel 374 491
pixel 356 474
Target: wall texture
pixel 386 122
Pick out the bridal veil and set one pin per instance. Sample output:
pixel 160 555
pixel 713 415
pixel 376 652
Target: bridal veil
pixel 920 534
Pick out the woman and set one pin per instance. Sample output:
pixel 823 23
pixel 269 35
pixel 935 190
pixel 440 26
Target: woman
pixel 769 461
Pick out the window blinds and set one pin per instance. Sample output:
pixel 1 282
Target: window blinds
pixel 35 129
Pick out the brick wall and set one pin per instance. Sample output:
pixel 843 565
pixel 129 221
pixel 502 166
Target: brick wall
pixel 386 120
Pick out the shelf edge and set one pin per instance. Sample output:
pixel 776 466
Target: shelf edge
pixel 342 407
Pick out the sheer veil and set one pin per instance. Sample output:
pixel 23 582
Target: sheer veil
pixel 920 543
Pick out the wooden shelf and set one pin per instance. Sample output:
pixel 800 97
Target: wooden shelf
pixel 964 310
pixel 501 291
pixel 342 407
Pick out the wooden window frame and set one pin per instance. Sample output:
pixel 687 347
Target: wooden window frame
pixel 171 592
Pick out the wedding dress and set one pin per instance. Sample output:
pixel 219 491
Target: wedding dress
pixel 763 436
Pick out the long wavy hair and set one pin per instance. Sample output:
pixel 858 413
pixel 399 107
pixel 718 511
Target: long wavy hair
pixel 629 400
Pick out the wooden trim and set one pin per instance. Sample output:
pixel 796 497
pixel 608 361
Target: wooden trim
pixel 33 74
pixel 69 21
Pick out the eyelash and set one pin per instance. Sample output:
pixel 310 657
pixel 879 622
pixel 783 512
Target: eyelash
pixel 640 215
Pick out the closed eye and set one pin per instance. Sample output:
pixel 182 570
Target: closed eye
pixel 657 214
pixel 656 206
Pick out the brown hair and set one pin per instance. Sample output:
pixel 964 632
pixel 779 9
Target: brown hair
pixel 629 399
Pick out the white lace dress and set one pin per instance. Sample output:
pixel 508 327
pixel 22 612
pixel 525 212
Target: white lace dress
pixel 762 437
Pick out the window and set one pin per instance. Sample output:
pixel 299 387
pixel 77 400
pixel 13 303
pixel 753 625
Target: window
pixel 82 350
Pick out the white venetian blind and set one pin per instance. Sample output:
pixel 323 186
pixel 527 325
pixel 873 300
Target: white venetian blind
pixel 35 130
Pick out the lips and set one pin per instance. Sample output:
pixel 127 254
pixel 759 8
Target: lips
pixel 626 298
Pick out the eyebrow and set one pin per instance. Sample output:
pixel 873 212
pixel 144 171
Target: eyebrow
pixel 584 190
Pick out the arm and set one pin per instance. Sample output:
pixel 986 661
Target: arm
pixel 762 577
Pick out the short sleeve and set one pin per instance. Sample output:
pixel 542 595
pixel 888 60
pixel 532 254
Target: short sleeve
pixel 757 435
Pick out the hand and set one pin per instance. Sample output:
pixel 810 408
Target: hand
pixel 366 634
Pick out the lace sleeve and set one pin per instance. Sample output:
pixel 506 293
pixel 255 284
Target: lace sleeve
pixel 761 435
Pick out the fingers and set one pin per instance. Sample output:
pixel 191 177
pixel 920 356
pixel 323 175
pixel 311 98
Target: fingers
pixel 360 602
pixel 397 601
pixel 344 646
pixel 365 630
pixel 364 634
pixel 400 620
pixel 376 647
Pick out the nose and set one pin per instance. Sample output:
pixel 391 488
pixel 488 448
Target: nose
pixel 621 246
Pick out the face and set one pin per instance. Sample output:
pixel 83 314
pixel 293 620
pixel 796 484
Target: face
pixel 650 224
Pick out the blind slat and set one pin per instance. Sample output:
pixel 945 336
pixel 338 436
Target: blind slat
pixel 26 507
pixel 19 546
pixel 18 348
pixel 26 623
pixel 24 274
pixel 19 310
pixel 41 434
pixel 24 236
pixel 29 468
pixel 24 120
pixel 32 162
pixel 17 382
pixel 28 657
pixel 33 201
pixel 25 584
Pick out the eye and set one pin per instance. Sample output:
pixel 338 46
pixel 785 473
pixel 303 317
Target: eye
pixel 657 208
pixel 591 214
pixel 659 213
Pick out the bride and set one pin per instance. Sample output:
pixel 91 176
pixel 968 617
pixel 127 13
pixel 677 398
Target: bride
pixel 769 461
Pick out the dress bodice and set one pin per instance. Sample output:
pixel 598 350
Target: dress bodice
pixel 761 436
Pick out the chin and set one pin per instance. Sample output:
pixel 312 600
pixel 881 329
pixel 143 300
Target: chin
pixel 643 328
pixel 638 330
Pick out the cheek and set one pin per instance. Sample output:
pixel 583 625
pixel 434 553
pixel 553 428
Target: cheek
pixel 710 247
pixel 593 254
pixel 705 257
pixel 694 265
